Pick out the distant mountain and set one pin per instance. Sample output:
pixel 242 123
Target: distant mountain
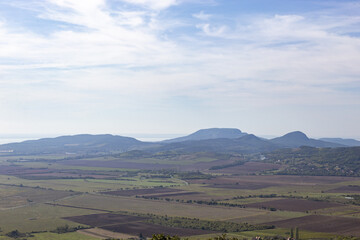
pixel 297 139
pixel 221 140
pixel 346 142
pixel 210 133
pixel 248 143
pixel 84 143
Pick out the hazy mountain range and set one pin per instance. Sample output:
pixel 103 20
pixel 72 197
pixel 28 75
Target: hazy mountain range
pixel 346 142
pixel 227 140
pixel 84 143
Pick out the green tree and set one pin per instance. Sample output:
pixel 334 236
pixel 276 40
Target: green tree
pixel 15 234
pixel 141 237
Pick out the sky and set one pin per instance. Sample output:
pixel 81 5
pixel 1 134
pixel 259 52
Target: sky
pixel 133 67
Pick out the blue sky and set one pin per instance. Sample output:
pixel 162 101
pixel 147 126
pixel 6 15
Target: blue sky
pixel 175 66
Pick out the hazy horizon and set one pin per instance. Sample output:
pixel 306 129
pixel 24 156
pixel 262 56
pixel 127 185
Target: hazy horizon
pixel 176 66
pixel 147 137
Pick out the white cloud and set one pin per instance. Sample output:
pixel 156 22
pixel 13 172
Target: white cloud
pixel 268 48
pixel 202 16
pixel 153 4
pixel 105 41
pixel 212 31
pixel 132 19
pixel 114 55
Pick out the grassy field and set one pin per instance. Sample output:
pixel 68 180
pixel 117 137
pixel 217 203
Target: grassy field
pixel 159 207
pixel 64 236
pixel 38 217
pixel 91 185
pixel 12 196
pixel 55 236
pixel 268 216
pixel 32 157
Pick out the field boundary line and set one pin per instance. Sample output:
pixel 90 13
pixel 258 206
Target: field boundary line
pixel 70 206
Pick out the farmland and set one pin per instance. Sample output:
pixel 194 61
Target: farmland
pixel 337 225
pixel 295 205
pixel 136 192
pixel 102 201
pixel 131 225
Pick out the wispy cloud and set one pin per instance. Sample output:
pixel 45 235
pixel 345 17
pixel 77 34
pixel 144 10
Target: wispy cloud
pixel 212 31
pixel 202 16
pixel 154 4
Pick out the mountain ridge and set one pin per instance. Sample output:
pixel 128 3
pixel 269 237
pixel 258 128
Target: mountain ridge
pixel 248 143
pixel 80 143
pixel 209 133
pixel 204 140
pixel 297 139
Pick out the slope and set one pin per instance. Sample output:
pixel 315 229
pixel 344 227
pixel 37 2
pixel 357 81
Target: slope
pixel 210 133
pixel 297 139
pixel 84 143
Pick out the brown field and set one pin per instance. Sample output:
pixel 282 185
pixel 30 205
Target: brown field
pixel 205 165
pixel 243 185
pixel 233 183
pixel 98 220
pixel 176 194
pixel 138 205
pixel 57 175
pixel 296 205
pixel 104 234
pixel 140 192
pixel 318 223
pixel 131 225
pixel 149 166
pixel 345 189
pixel 118 164
pixel 248 168
pixel 45 173
pixel 193 196
pixel 262 219
pixel 237 183
pixel 19 171
pixel 148 229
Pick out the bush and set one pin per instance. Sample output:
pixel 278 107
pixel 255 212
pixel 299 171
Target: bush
pixel 15 234
pixel 164 237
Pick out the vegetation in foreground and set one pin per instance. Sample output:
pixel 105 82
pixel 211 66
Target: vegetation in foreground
pixel 293 236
